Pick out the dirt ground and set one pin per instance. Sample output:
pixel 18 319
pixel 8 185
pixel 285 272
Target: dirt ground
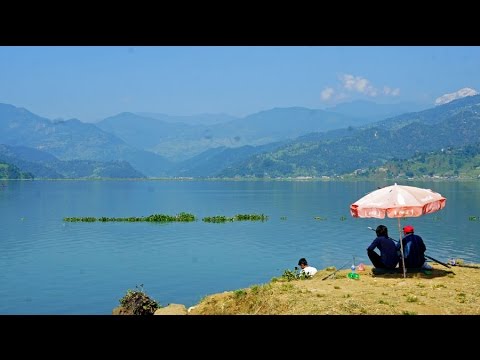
pixel 441 291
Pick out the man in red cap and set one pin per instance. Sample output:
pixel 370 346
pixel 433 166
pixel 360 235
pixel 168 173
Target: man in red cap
pixel 413 249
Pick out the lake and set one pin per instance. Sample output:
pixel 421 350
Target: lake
pixel 48 266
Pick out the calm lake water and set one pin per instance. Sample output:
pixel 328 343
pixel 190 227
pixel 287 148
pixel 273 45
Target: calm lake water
pixel 48 266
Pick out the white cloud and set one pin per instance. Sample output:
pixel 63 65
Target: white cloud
pixel 392 92
pixel 446 98
pixel 358 84
pixel 327 93
pixel 355 84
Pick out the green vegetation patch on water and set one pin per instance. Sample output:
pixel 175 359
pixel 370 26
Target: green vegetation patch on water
pixel 182 217
pixel 162 218
pixel 238 217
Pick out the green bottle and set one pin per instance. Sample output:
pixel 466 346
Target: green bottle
pixel 353 274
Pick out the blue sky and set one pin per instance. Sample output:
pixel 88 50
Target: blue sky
pixel 94 82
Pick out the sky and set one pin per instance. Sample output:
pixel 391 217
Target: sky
pixel 91 83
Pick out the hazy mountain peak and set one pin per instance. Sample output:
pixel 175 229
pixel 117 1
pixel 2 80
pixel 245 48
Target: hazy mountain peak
pixel 446 98
pixel 7 106
pixel 12 108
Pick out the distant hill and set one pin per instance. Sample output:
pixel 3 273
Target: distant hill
pixel 434 115
pixel 44 165
pixel 30 160
pixel 179 141
pixel 201 119
pixel 213 161
pixel 371 111
pixel 451 125
pixel 462 162
pixel 74 169
pixel 73 140
pixel 9 171
pixel 140 131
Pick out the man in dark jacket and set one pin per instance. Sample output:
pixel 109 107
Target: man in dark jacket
pixel 413 249
pixel 388 258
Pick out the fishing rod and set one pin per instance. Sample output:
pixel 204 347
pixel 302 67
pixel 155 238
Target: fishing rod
pixel 466 265
pixel 326 277
pixel 428 257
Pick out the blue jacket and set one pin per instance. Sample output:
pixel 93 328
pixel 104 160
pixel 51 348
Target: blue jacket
pixel 413 251
pixel 388 251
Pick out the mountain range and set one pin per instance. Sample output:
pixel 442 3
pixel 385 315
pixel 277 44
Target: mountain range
pixel 73 140
pixel 454 124
pixel 280 142
pixel 179 141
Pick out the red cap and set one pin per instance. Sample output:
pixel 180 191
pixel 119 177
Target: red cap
pixel 408 229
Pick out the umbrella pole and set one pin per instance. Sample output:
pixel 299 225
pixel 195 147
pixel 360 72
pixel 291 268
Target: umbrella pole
pixel 401 248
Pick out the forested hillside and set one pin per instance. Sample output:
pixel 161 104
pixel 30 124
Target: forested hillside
pixel 452 163
pixel 369 146
pixel 8 171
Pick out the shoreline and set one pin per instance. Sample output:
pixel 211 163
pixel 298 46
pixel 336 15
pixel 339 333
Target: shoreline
pixel 441 291
pixel 286 179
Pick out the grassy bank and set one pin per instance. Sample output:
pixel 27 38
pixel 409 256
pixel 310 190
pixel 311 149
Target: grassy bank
pixel 441 291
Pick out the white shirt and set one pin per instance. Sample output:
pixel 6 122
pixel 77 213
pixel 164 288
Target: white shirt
pixel 310 270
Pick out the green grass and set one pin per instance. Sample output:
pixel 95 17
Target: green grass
pixel 239 293
pixel 412 298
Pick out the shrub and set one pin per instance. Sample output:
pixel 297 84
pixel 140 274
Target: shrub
pixel 296 274
pixel 136 302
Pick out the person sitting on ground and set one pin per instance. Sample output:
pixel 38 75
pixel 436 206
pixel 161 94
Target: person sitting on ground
pixel 413 250
pixel 388 258
pixel 309 270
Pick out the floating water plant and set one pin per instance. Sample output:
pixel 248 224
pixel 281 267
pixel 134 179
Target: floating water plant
pixel 251 217
pixel 217 219
pixel 182 217
pixel 238 217
pixel 162 218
